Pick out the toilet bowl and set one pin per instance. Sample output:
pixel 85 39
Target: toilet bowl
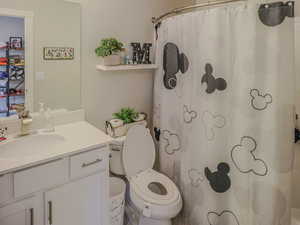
pixel 153 194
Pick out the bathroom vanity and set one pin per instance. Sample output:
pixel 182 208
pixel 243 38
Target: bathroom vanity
pixel 58 178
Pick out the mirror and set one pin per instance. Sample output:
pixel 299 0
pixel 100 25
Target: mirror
pixel 40 55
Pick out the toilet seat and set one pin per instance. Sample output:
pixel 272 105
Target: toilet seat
pixel 140 185
pixel 152 193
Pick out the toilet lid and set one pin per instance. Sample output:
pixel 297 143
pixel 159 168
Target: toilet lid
pixel 138 151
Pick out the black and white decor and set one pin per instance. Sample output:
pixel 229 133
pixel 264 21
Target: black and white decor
pixel 223 112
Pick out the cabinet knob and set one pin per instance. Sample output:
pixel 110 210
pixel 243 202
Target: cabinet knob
pixel 31 216
pixel 50 212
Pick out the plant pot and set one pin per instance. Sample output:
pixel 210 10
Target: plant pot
pixel 111 60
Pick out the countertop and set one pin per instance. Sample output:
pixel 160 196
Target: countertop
pixel 77 137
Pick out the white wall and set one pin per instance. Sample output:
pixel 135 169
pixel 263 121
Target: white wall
pixel 11 27
pixel 106 92
pixel 56 24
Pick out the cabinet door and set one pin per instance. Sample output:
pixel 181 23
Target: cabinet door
pixel 79 202
pixel 20 213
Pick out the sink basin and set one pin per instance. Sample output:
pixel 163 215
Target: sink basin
pixel 30 145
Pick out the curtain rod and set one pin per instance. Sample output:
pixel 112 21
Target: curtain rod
pixel 183 9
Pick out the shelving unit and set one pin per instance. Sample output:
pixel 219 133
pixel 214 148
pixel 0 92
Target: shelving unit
pixel 12 81
pixel 127 67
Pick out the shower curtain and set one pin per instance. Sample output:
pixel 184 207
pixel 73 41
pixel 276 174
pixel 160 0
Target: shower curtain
pixel 224 112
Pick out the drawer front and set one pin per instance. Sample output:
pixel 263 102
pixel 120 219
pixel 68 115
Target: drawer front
pixel 40 177
pixel 5 188
pixel 89 162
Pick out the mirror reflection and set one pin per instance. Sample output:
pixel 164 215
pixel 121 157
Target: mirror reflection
pixel 39 55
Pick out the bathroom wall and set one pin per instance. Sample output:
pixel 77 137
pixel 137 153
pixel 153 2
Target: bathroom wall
pixel 129 21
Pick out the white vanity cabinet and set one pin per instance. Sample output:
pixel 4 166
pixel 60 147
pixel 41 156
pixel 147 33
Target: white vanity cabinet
pixel 71 190
pixel 76 203
pixel 20 213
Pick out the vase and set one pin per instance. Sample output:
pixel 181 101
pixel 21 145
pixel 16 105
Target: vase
pixel 111 60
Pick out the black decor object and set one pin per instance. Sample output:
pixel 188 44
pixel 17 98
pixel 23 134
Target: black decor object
pixel 157 26
pixel 219 180
pixel 173 62
pixel 273 14
pixel 136 48
pixel 141 55
pixel 146 48
pixel 157 133
pixel 212 82
pixel 297 135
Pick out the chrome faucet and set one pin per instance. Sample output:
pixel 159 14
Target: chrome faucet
pixel 25 118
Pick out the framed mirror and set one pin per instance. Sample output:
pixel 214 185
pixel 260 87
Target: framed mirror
pixel 40 55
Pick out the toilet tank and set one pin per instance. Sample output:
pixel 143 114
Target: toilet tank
pixel 115 161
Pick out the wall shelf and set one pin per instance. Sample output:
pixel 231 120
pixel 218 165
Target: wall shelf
pixel 127 67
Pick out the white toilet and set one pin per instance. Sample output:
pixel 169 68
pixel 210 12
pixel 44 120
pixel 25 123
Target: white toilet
pixel 155 196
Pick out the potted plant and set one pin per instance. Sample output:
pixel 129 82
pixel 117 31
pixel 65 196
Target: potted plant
pixel 109 50
pixel 128 115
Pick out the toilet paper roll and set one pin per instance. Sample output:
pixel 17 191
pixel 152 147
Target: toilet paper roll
pixel 116 123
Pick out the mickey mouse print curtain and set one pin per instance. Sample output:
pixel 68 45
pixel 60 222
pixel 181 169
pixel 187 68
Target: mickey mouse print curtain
pixel 224 112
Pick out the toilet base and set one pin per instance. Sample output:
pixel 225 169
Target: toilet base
pixel 149 221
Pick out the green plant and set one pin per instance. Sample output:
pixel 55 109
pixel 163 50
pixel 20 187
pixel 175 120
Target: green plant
pixel 126 114
pixel 109 46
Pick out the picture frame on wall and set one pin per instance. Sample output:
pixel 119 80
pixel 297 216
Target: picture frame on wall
pixel 59 53
pixel 16 42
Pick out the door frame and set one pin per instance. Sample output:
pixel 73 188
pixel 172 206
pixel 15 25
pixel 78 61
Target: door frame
pixel 29 51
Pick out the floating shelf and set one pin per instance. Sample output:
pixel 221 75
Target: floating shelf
pixel 127 67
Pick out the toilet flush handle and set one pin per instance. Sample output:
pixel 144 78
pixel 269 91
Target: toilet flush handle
pixel 147 210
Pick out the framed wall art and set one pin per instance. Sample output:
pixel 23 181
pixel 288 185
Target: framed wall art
pixel 58 53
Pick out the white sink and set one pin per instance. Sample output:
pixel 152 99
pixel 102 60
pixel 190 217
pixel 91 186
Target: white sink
pixel 23 147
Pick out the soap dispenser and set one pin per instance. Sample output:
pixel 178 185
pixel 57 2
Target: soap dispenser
pixel 49 126
pixel 42 114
